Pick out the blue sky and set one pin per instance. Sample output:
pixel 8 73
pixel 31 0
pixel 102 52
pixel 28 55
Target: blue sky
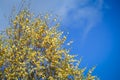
pixel 93 25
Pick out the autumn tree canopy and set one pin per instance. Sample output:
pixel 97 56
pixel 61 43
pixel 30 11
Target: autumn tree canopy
pixel 31 49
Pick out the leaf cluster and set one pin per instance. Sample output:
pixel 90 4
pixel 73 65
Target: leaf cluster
pixel 32 50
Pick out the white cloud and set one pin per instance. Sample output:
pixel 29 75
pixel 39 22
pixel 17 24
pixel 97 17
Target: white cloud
pixel 90 11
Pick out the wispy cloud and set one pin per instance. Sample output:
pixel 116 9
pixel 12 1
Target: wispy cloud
pixel 87 10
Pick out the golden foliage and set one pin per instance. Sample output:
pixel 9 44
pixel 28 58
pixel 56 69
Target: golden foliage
pixel 32 50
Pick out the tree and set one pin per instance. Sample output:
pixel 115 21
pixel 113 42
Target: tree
pixel 33 50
